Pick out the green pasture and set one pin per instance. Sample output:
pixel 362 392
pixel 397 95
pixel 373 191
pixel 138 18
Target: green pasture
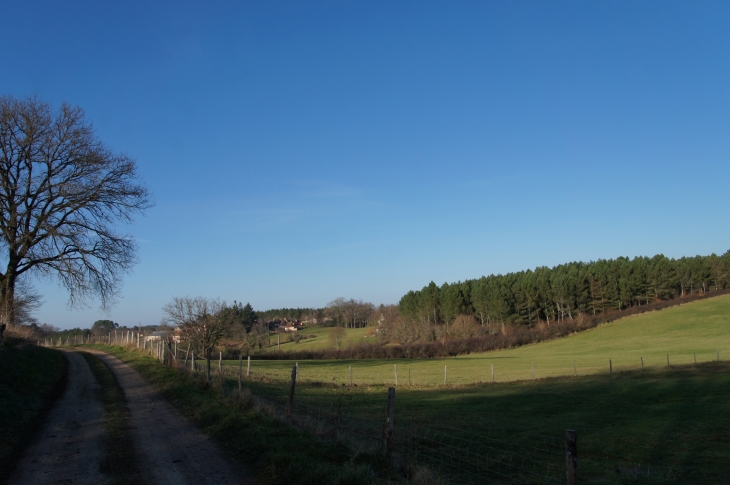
pixel 667 423
pixel 700 328
pixel 671 424
pixel 318 338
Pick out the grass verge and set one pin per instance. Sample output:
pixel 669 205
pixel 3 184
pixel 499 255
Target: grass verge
pixel 31 379
pixel 119 456
pixel 249 432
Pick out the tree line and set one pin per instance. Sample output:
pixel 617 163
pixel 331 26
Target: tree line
pixel 563 292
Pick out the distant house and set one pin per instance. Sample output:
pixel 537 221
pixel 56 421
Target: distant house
pixel 156 336
pixel 285 324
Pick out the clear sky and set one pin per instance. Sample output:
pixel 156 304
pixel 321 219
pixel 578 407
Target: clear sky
pixel 302 151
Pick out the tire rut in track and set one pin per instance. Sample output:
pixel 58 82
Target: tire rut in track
pixel 170 450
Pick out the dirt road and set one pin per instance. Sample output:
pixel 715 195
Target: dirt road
pixel 69 450
pixel 169 449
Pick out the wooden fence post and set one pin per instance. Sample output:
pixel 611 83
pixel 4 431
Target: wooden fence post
pixel 297 366
pixel 695 357
pixel 248 367
pixel 575 370
pixel 446 373
pixel 395 369
pixel 389 431
pixel 610 366
pixel 533 370
pixel 292 384
pixel 642 363
pixel 192 362
pixel 571 456
pixel 278 342
pixel 492 373
pixel 185 364
pixel 240 371
pixel 220 363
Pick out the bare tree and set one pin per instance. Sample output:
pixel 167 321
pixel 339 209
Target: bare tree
pixel 258 337
pixel 62 192
pixel 336 310
pixel 337 336
pixel 26 302
pixel 464 326
pixel 353 313
pixel 200 321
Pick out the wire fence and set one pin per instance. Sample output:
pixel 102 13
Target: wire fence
pixel 497 454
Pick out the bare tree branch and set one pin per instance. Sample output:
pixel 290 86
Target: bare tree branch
pixel 62 192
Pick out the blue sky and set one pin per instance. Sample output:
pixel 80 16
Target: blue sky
pixel 302 151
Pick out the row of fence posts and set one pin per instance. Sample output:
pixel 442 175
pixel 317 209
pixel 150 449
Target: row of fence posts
pixel 575 369
pixel 159 346
pixel 610 362
pixel 161 349
pixel 388 440
pixel 446 368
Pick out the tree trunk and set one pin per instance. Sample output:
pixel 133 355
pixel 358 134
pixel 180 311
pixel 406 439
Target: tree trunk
pixel 7 298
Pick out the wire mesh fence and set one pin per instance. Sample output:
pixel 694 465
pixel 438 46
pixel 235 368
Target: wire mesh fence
pixel 450 447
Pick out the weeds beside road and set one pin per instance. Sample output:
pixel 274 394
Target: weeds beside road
pixel 250 432
pixel 31 379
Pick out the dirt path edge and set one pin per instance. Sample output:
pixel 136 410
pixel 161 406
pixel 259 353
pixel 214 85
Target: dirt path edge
pixel 34 432
pixel 170 449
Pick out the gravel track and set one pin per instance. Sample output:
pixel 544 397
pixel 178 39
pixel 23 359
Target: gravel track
pixel 168 448
pixel 69 449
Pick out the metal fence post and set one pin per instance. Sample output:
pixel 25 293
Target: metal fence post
pixel 571 456
pixel 389 431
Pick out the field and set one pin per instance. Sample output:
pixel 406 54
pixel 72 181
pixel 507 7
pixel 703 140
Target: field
pixel 319 338
pixel 701 328
pixel 667 423
pixel 657 424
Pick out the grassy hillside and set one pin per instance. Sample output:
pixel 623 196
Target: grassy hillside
pixel 700 328
pixel 320 339
pixel 667 423
pixel 656 425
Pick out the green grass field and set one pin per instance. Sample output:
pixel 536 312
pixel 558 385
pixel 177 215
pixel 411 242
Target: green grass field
pixel 700 328
pixel 666 423
pixel 670 423
pixel 320 340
